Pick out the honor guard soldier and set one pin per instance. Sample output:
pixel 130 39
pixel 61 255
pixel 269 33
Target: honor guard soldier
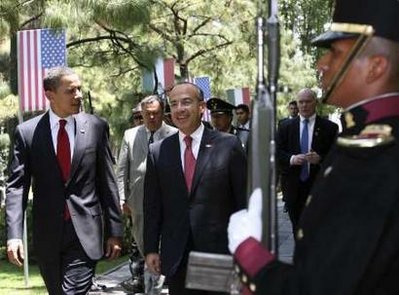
pixel 222 117
pixel 348 235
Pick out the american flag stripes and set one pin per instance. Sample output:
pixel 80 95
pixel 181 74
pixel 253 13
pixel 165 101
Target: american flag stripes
pixel 38 51
pixel 205 85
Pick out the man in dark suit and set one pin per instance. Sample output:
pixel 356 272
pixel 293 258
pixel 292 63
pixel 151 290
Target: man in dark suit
pixel 348 237
pixel 195 179
pixel 243 116
pixel 302 144
pixel 65 155
pixel 292 110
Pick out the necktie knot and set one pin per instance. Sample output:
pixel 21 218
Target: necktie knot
pixel 62 123
pixel 188 140
pixel 151 140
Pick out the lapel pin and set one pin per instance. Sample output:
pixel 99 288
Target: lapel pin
pixel 208 145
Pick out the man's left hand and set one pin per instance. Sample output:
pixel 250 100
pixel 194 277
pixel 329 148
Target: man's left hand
pixel 113 247
pixel 313 158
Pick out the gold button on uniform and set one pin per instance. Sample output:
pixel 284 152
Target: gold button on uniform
pixel 299 234
pixel 252 287
pixel 237 269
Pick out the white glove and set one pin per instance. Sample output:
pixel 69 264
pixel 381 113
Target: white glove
pixel 246 223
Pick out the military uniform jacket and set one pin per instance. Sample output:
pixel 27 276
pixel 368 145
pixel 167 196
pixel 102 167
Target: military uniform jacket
pixel 348 240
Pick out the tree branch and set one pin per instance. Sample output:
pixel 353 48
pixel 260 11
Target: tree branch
pixel 204 51
pixel 95 39
pixel 207 20
pixel 161 33
pixel 36 17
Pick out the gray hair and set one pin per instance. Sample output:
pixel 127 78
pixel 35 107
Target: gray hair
pixel 151 99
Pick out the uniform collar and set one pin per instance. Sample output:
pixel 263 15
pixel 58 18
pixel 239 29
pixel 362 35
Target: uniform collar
pixel 369 111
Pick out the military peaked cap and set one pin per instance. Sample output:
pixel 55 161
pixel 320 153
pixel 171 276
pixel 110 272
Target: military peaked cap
pixel 354 17
pixel 217 105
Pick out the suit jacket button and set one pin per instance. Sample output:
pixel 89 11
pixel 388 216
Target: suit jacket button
pixel 299 234
pixel 252 287
pixel 327 171
pixel 244 279
pixel 308 200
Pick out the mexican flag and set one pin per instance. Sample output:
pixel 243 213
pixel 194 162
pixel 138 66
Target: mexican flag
pixel 239 96
pixel 165 72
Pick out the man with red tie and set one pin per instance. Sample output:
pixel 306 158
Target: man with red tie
pixel 194 180
pixel 65 155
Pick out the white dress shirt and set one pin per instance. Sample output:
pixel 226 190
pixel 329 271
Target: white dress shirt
pixel 69 127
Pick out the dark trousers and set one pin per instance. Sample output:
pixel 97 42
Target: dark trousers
pixel 296 206
pixel 71 271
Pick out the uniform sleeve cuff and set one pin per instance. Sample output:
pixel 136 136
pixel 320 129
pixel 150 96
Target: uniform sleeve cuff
pixel 252 256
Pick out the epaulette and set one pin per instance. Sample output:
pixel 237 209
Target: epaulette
pixel 371 136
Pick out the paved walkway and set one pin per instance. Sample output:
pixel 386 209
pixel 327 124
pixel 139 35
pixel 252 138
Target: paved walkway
pixel 111 280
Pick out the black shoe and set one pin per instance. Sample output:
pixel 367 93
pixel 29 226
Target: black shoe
pixel 134 285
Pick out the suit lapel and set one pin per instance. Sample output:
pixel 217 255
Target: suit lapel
pixel 46 141
pixel 315 135
pixel 142 137
pixel 203 156
pixel 297 131
pixel 81 129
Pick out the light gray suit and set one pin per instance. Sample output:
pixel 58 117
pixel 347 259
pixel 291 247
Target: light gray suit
pixel 131 171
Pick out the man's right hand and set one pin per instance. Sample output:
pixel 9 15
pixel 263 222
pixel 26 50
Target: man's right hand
pixel 15 251
pixel 153 262
pixel 298 159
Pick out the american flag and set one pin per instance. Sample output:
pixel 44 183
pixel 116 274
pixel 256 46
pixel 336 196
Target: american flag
pixel 38 51
pixel 205 85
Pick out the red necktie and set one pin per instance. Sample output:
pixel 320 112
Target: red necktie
pixel 64 157
pixel 189 162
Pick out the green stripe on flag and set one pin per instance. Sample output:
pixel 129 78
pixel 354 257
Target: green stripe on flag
pixel 231 96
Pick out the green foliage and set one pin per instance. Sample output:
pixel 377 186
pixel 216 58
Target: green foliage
pixel 110 42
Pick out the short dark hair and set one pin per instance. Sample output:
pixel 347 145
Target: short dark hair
pixel 243 107
pixel 293 102
pixel 53 77
pixel 199 90
pixel 150 99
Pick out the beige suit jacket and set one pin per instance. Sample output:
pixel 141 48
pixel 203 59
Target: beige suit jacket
pixel 131 171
